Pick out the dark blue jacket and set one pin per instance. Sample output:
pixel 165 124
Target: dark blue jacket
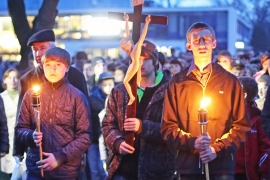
pixel 97 104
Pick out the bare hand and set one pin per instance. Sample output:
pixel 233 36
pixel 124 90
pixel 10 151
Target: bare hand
pixel 202 142
pixel 125 148
pixel 208 155
pixel 49 163
pixel 148 19
pixel 37 136
pixel 132 124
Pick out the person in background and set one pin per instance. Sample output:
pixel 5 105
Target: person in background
pixel 97 104
pixel 244 58
pixel 119 74
pixel 98 66
pixel 175 66
pixel 162 61
pixel 111 67
pixel 253 156
pixel 237 68
pixel 263 84
pixel 256 63
pixel 80 59
pixel 265 62
pixel 10 98
pixel 173 54
pixel 265 115
pixel 249 70
pixel 225 60
pixel 88 73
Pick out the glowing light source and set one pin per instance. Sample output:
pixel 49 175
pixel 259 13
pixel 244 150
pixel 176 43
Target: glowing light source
pixel 102 26
pixel 239 45
pixel 204 103
pixel 36 89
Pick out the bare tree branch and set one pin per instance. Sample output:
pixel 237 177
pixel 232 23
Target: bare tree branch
pixel 44 20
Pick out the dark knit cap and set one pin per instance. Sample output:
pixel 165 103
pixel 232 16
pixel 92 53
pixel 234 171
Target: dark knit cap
pixel 41 36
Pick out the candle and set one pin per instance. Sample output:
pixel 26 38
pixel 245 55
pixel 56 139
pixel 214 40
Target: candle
pixel 203 115
pixel 36 96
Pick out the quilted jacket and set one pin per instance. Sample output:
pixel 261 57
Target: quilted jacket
pixel 64 116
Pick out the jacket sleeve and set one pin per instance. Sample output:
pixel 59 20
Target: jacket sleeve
pixel 82 140
pixel 264 150
pixel 77 79
pixel 239 125
pixel 169 126
pixel 4 141
pixel 265 115
pixel 111 124
pixel 24 129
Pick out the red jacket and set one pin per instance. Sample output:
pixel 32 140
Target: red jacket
pixel 256 148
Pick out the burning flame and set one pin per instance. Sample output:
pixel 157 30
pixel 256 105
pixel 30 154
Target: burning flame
pixel 36 89
pixel 204 103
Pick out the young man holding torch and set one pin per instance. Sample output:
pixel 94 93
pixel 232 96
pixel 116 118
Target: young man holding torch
pixel 227 124
pixel 40 42
pixel 64 123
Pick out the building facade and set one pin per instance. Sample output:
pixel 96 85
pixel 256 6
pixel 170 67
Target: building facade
pixel 84 25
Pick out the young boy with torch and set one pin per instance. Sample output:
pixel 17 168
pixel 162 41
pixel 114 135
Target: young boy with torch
pixel 64 122
pixel 227 124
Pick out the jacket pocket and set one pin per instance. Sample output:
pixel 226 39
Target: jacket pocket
pixel 64 115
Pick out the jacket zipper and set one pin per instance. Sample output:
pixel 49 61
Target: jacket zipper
pixel 50 122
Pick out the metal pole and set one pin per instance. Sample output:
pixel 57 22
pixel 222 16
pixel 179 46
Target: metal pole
pixel 203 121
pixel 36 106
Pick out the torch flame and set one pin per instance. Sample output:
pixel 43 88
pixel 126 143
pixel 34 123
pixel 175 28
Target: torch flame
pixel 204 103
pixel 36 89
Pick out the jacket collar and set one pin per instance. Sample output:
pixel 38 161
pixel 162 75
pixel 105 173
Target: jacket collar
pixel 216 70
pixel 56 85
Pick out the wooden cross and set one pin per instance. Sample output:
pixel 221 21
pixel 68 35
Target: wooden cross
pixel 137 18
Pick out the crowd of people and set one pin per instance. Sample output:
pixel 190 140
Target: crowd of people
pixel 84 103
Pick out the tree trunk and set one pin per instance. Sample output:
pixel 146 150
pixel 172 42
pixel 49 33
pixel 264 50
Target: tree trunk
pixel 44 20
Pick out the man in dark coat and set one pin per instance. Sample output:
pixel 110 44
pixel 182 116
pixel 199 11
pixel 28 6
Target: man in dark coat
pixel 150 158
pixel 265 115
pixel 227 124
pixel 40 42
pixel 97 103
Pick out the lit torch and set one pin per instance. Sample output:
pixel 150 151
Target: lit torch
pixel 36 106
pixel 203 121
